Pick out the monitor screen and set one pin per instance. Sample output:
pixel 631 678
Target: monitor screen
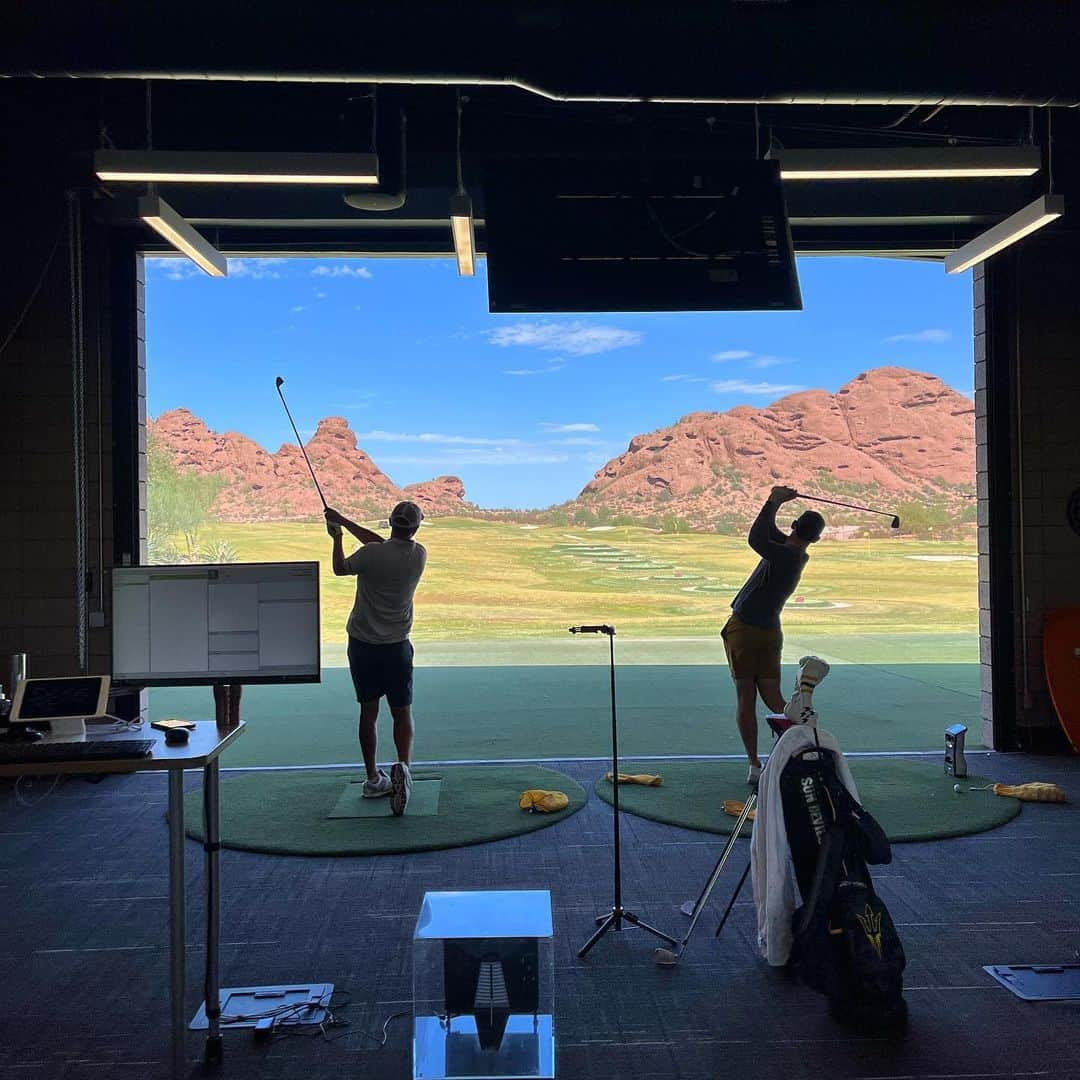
pixel 54 699
pixel 230 623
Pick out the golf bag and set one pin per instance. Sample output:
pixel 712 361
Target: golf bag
pixel 844 942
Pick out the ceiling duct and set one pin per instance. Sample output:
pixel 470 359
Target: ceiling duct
pixel 390 194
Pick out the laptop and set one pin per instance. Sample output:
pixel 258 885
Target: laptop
pixel 61 706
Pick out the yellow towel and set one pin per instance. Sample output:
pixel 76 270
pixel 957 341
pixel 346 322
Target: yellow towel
pixel 546 802
pixel 645 779
pixel 735 808
pixel 1037 791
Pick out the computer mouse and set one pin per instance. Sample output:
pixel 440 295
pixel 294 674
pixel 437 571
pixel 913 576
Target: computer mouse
pixel 176 736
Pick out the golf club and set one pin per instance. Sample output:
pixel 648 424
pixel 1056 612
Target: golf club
pixel 894 524
pixel 279 382
pixel 670 957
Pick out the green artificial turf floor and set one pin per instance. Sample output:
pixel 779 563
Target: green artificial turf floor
pixel 561 710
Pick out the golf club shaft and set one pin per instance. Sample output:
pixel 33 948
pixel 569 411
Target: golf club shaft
pixel 314 478
pixel 850 506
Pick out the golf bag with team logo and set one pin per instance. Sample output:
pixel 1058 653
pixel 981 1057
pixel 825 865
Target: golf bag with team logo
pixel 844 942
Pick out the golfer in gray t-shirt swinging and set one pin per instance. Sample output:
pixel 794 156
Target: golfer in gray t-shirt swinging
pixel 380 653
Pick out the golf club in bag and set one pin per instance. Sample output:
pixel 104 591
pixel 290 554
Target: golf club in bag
pixel 333 530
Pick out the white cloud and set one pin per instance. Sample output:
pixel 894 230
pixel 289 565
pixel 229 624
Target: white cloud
pixel 576 440
pixel 463 457
pixel 562 428
pixel 932 336
pixel 576 338
pixel 174 269
pixel 324 271
pixel 259 269
pixel 731 354
pixel 549 370
pixel 320 295
pixel 298 307
pixel 684 378
pixel 433 437
pixel 770 361
pixel 756 389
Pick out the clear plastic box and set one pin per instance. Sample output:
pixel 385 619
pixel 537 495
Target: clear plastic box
pixel 483 986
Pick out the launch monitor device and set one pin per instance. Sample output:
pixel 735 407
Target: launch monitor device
pixel 200 625
pixel 63 704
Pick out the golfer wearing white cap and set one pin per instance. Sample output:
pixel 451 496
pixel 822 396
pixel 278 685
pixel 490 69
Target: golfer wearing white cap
pixel 380 653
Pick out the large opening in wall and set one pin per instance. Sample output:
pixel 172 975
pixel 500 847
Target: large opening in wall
pixel 578 469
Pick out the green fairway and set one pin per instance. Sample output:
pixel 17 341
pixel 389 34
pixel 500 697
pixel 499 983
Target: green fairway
pixel 490 580
pixel 499 677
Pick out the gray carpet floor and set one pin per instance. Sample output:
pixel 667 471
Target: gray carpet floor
pixel 84 959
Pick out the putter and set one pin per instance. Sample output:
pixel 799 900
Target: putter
pixel 670 957
pixel 894 524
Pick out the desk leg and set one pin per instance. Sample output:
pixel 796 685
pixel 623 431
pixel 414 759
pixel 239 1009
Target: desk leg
pixel 212 846
pixel 176 918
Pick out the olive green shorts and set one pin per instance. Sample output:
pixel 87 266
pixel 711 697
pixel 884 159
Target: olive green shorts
pixel 752 651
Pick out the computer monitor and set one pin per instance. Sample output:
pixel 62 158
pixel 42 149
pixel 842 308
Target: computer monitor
pixel 197 625
pixel 64 704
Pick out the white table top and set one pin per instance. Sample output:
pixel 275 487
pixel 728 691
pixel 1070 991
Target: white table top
pixel 204 744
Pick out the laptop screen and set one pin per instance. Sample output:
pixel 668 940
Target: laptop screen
pixel 44 699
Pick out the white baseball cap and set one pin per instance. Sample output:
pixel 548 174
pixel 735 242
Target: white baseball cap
pixel 406 515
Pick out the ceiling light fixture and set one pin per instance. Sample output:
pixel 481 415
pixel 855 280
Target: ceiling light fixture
pixel 461 216
pixel 1024 222
pixel 211 167
pixel 168 224
pixel 906 163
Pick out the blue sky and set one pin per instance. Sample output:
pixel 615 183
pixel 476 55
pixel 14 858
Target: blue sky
pixel 523 408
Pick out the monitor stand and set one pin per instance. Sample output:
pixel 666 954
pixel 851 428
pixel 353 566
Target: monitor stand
pixel 66 730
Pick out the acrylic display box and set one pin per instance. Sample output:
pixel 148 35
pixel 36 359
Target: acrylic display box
pixel 483 986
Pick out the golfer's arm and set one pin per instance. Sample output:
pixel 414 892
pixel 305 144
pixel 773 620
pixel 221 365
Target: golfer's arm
pixel 365 536
pixel 338 557
pixel 763 533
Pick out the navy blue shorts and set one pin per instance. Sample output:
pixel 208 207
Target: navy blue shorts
pixel 382 671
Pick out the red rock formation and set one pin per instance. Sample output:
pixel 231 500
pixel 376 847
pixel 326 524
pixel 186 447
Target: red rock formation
pixel 269 487
pixel 889 430
pixel 443 495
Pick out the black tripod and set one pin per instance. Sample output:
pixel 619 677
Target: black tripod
pixel 614 919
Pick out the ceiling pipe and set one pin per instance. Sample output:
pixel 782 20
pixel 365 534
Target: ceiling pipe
pixel 514 82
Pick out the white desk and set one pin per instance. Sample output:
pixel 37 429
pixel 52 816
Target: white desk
pixel 201 751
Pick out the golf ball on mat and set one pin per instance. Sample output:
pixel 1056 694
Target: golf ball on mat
pixel 956 787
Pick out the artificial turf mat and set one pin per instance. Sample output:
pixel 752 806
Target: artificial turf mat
pixel 911 799
pixel 563 711
pixel 284 813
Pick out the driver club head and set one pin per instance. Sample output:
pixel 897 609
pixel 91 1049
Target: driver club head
pixel 666 957
pixel 895 523
pixel 279 382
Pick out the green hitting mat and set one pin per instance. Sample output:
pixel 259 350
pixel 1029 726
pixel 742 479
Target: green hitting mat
pixel 423 801
pixel 911 799
pixel 290 812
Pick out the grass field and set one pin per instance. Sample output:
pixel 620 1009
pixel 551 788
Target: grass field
pixel 492 582
pixel 499 677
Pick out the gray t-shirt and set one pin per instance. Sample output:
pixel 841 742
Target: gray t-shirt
pixel 386 578
pixel 760 601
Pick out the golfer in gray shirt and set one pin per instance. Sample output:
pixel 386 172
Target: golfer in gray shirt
pixel 380 652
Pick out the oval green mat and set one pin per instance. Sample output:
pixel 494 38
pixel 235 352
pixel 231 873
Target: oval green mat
pixel 913 800
pixel 284 813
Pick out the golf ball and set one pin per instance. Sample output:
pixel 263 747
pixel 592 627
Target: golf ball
pixel 956 787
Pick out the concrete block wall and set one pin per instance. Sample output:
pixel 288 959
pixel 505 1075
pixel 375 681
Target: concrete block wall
pixel 1047 453
pixel 38 587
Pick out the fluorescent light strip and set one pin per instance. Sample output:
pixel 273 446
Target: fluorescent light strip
pixel 461 226
pixel 1024 222
pixel 200 167
pixel 169 225
pixel 906 163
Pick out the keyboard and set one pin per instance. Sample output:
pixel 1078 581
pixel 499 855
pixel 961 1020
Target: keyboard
pixel 42 753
